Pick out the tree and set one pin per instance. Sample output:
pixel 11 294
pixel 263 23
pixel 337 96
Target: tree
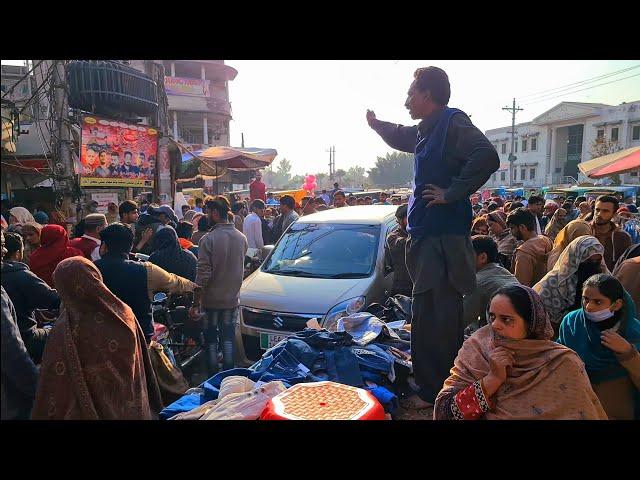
pixel 339 176
pixel 295 183
pixel 355 176
pixel 603 146
pixel 322 179
pixel 281 177
pixel 394 169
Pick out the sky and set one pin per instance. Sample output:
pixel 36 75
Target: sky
pixel 301 108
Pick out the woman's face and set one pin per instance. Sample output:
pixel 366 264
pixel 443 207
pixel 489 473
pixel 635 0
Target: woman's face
pixel 31 237
pixel 504 319
pixel 481 229
pixel 495 227
pixel 594 301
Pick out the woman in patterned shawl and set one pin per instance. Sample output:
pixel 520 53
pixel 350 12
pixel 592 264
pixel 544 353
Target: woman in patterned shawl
pixel 573 230
pixel 561 288
pixel 511 370
pixel 96 365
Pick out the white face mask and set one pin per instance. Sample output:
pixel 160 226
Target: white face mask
pixel 600 316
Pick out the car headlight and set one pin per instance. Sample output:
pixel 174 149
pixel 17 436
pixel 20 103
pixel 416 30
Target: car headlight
pixel 343 309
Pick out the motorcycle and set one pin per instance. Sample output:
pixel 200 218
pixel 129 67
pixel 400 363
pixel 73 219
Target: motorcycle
pixel 182 337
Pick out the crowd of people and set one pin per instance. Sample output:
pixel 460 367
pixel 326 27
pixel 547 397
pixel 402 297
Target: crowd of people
pixel 46 273
pixel 542 304
pixel 572 289
pixel 521 308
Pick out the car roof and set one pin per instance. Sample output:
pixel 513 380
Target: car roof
pixel 364 214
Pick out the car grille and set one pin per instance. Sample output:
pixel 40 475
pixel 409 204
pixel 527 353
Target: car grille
pixel 275 321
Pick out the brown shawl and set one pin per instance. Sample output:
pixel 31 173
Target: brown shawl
pixel 573 230
pixel 548 381
pixel 96 365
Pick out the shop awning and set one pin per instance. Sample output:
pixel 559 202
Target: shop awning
pixel 620 162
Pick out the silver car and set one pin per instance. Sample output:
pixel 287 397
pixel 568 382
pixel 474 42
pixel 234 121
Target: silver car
pixel 325 266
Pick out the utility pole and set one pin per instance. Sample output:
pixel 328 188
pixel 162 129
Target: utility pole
pixel 332 161
pixel 63 171
pixel 242 135
pixel 512 157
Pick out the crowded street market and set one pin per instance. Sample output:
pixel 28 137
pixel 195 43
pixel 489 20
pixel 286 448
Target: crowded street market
pixel 163 277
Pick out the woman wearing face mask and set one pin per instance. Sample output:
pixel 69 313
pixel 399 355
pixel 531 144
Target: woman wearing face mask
pixel 511 370
pixel 561 288
pixel 605 333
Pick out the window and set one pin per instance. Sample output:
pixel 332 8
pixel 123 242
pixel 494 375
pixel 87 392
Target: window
pixel 516 146
pixel 524 145
pixel 309 250
pixel 635 132
pixel 601 133
pixel 532 174
pixel 515 174
pixel 633 174
pixel 504 148
pixel 503 176
pixel 522 173
pixel 614 134
pixel 534 144
pixel 494 176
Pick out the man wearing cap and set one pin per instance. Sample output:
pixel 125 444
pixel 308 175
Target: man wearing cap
pixel 165 214
pixel 89 243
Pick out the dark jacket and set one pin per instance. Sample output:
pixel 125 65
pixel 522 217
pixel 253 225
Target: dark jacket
pixel 146 221
pixel 465 160
pixel 402 283
pixel 27 292
pixel 128 281
pixel 19 373
pixel 170 256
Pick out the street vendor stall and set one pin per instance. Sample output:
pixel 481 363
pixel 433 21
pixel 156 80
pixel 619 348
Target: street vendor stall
pixel 356 371
pixel 624 161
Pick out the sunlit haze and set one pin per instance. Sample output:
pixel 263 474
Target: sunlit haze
pixel 301 108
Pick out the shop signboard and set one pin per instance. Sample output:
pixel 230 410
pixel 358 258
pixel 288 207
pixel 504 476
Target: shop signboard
pixel 104 199
pixel 187 86
pixel 116 154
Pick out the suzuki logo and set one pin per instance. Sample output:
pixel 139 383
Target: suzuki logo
pixel 278 322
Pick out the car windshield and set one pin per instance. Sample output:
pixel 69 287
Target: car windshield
pixel 323 250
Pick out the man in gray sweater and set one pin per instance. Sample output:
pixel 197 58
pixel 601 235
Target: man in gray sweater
pixel 220 271
pixel 490 277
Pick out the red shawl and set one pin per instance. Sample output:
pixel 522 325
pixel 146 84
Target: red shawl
pixel 54 247
pixel 96 364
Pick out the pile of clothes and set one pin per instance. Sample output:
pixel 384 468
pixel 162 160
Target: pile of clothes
pixel 363 352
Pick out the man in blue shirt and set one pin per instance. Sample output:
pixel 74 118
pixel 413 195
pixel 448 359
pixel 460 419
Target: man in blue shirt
pixel 453 159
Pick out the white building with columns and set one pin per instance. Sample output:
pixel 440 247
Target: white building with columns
pixel 549 148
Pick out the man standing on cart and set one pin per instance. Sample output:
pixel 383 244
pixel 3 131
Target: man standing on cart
pixel 453 159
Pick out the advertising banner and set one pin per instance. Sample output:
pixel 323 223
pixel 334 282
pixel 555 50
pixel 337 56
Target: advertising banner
pixel 186 86
pixel 116 154
pixel 104 199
